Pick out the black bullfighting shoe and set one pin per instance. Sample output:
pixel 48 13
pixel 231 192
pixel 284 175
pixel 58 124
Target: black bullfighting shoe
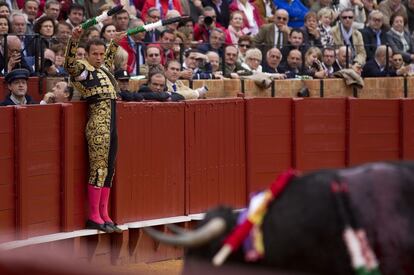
pixel 98 226
pixel 113 226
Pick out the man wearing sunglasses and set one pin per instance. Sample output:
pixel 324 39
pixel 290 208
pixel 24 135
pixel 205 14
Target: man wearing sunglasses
pixel 273 34
pixel 345 34
pixel 374 33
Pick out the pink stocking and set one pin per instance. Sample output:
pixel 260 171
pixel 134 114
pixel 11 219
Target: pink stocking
pixel 94 196
pixel 103 206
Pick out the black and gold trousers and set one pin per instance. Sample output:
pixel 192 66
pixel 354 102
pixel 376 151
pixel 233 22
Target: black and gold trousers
pixel 102 138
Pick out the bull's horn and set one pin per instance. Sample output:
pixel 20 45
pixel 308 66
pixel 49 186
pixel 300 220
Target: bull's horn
pixel 202 235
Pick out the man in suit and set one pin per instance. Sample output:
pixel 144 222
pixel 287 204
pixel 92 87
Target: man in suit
pixel 15 58
pixel 17 85
pixel 135 47
pixel 344 34
pixel 273 34
pixel 378 67
pixel 153 15
pixel 273 58
pixel 373 34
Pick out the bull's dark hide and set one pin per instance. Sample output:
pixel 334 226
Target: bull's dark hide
pixel 303 232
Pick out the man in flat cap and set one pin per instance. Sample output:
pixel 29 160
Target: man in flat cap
pixel 17 84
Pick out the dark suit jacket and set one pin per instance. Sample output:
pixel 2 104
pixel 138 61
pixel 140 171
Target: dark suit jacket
pixel 8 102
pixel 372 69
pixel 265 38
pixel 370 41
pixel 20 65
pixel 148 94
pixel 147 38
pixel 397 46
pixel 223 16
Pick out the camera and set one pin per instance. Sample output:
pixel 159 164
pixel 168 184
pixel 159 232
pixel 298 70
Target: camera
pixel 208 20
pixel 48 63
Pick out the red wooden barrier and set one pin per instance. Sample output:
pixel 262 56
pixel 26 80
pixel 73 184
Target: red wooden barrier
pixel 374 130
pixel 150 165
pixel 215 154
pixel 38 140
pixel 320 133
pixel 268 140
pixel 7 177
pixel 407 144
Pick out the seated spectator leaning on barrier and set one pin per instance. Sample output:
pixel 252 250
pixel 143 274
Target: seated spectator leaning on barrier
pixel 231 66
pixel 196 66
pixel 17 85
pixel 155 89
pixel 345 34
pixel 216 68
pixel 273 58
pixel 377 66
pixel 397 61
pixel 60 93
pixel 172 72
pixel 328 61
pixel 14 56
pixel 122 77
pixel 293 65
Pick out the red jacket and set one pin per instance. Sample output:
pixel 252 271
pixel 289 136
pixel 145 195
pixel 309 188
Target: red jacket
pixel 164 4
pixel 131 54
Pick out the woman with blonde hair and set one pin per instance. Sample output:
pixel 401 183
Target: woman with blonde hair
pixel 121 59
pixel 253 60
pixel 313 63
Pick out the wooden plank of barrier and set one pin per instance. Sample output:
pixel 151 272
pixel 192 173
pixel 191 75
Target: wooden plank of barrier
pixel 39 146
pixel 381 88
pixel 215 154
pixel 336 87
pixel 150 164
pixel 7 175
pixel 268 140
pixel 320 133
pixel 373 130
pixel 407 142
pixel 215 88
pixel 231 87
pixel 252 89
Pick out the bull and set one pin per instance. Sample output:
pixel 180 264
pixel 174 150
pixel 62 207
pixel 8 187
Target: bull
pixel 303 232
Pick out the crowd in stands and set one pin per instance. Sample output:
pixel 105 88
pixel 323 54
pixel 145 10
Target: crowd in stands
pixel 277 39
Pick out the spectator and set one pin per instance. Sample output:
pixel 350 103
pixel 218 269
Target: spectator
pixel 171 14
pixel 4 26
pixel 52 9
pixel 295 42
pixel 18 21
pixel 392 8
pixel 266 9
pixel 328 61
pixel 216 41
pixel 222 10
pixel 231 66
pixel 326 16
pixel 296 10
pixel 214 59
pixel 135 47
pixel 293 66
pixel 75 15
pixel 172 73
pixel 121 20
pixel 92 8
pixel 311 34
pixel 273 58
pixel 358 8
pixel 107 33
pixel 14 56
pixel 206 23
pixel 345 34
pixel 63 32
pixel 80 52
pixel 122 77
pixel 321 4
pixel 374 34
pixel 45 27
pixel 253 60
pixel 193 8
pixel 152 58
pixel 120 60
pixel 60 93
pixel 155 89
pixel 17 85
pixel 153 15
pixel 49 59
pixel 343 61
pixel 196 66
pixel 274 34
pixel 251 18
pixel 245 43
pixel 163 6
pixel 377 67
pixel 59 50
pixel 397 61
pixel 30 8
pixel 313 63
pixel 235 29
pixel 400 40
pixel 4 9
pixel 166 42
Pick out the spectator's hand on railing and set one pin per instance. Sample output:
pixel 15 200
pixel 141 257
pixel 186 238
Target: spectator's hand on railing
pixel 186 74
pixel 357 68
pixel 218 75
pixel 403 71
pixel 234 75
pixel 77 33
